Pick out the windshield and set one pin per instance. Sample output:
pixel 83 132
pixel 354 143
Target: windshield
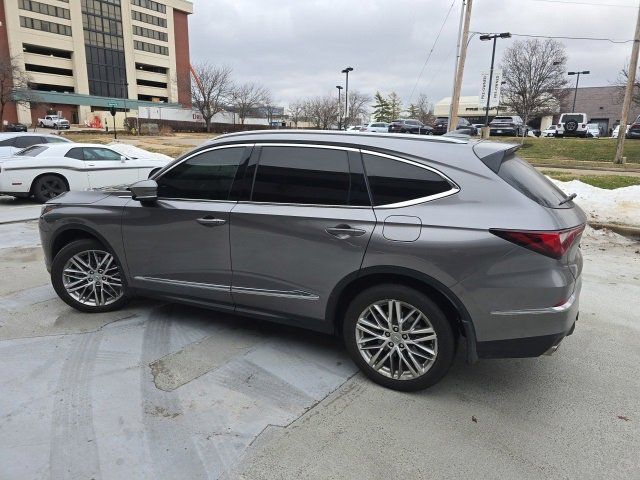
pixel 32 151
pixel 576 118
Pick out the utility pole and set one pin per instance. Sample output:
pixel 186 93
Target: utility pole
pixel 457 86
pixel 628 93
pixel 575 91
pixel 346 96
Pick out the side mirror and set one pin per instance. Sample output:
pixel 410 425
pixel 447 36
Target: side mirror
pixel 123 158
pixel 144 191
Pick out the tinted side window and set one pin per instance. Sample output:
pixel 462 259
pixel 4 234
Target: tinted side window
pixel 32 151
pixel 27 141
pixel 206 176
pixel 8 142
pixel 56 140
pixel 317 176
pixel 392 181
pixel 75 153
pixel 91 153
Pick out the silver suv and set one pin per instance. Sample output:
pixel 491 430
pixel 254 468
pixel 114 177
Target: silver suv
pixel 406 246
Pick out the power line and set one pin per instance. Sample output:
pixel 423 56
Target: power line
pixel 566 38
pixel 435 42
pixel 568 2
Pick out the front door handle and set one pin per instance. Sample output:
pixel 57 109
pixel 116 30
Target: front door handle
pixel 211 221
pixel 345 231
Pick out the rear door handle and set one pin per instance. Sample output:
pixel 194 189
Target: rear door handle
pixel 211 221
pixel 345 231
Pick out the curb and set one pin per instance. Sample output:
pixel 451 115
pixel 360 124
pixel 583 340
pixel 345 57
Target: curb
pixel 625 230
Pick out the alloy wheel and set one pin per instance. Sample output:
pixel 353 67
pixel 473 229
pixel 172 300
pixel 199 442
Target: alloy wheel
pixel 396 339
pixel 93 278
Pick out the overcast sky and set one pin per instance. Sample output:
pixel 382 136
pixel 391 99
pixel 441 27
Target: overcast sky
pixel 297 48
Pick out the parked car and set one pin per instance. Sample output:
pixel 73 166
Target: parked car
pixel 410 126
pixel 11 143
pixel 534 132
pixel 593 130
pixel 286 226
pixel 616 131
pixel 633 131
pixel 508 125
pixel 48 170
pixel 381 127
pixel 550 131
pixel 354 128
pixel 54 121
pixel 441 125
pixel 15 127
pixel 572 125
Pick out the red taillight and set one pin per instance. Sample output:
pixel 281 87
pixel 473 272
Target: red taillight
pixel 553 244
pixel 635 125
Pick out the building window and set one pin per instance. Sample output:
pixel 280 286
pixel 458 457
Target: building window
pixel 150 47
pixel 149 83
pixel 151 68
pixel 151 98
pixel 104 47
pixel 50 52
pixel 35 24
pixel 30 67
pixel 45 9
pixel 147 32
pixel 146 18
pixel 44 87
pixel 150 5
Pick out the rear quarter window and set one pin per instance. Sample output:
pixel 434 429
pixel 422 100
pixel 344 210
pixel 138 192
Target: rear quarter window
pixel 393 182
pixel 527 180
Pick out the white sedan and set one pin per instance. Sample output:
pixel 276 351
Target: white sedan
pixel 48 170
pixel 381 127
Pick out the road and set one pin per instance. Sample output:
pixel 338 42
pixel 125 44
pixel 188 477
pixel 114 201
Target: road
pixel 166 391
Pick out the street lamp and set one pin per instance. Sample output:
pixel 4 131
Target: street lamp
pixel 339 87
pixel 484 38
pixel 575 92
pixel 346 97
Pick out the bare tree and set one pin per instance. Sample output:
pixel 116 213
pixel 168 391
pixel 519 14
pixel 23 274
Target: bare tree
pixel 422 110
pixel 12 78
pixel 358 108
pixel 296 112
pixel 211 90
pixel 322 112
pixel 535 75
pixel 269 108
pixel 247 98
pixel 622 83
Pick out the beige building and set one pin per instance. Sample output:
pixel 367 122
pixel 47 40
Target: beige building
pixel 82 56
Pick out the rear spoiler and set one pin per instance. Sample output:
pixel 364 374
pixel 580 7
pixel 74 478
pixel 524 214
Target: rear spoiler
pixel 493 154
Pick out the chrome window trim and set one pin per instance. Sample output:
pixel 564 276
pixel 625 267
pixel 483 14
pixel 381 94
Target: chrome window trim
pixel 454 186
pixel 219 147
pixel 305 145
pixel 296 294
pixel 184 283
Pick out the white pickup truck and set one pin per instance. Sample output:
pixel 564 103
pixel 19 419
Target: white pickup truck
pixel 53 121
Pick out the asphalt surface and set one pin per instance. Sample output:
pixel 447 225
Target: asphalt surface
pixel 163 391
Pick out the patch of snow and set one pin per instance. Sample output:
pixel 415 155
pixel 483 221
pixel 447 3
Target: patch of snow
pixel 620 205
pixel 136 152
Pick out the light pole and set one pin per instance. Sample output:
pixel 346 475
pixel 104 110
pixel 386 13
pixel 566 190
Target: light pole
pixel 575 92
pixel 484 38
pixel 339 87
pixel 346 97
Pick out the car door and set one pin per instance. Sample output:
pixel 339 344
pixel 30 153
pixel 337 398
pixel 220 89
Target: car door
pixel 105 168
pixel 179 245
pixel 303 228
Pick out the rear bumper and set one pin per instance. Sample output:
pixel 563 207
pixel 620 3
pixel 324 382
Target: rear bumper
pixel 633 134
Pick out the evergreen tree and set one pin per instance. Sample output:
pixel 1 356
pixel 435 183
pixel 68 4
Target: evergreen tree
pixel 381 111
pixel 395 106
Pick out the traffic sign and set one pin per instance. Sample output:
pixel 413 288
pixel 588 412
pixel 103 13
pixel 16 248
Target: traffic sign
pixel 113 104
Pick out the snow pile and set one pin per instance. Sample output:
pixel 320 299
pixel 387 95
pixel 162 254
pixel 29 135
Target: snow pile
pixel 621 205
pixel 135 152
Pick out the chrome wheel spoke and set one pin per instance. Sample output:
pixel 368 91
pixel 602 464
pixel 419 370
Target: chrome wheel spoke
pixel 93 278
pixel 396 339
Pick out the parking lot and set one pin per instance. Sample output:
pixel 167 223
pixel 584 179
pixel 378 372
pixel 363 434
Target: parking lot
pixel 166 391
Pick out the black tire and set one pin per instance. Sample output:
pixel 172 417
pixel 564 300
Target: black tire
pixel 57 281
pixel 446 340
pixel 47 187
pixel 41 125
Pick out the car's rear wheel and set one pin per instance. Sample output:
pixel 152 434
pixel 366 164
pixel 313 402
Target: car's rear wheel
pixel 398 337
pixel 48 186
pixel 88 277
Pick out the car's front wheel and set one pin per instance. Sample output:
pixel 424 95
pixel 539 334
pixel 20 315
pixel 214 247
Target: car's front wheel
pixel 47 187
pixel 88 277
pixel 399 337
